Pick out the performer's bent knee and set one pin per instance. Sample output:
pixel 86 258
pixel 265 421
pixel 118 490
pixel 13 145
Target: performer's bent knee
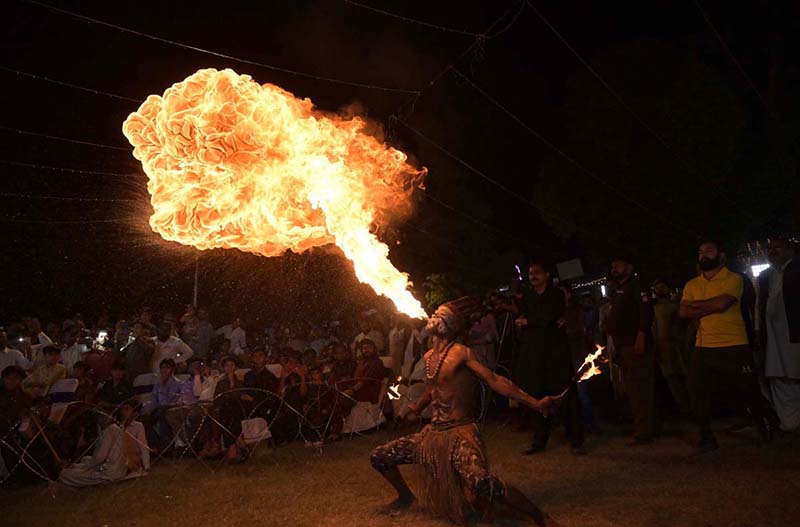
pixel 381 460
pixel 490 487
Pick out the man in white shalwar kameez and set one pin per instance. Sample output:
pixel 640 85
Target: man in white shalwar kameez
pixel 121 452
pixel 778 288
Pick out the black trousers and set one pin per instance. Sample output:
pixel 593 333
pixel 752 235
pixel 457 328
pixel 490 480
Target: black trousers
pixel 550 372
pixel 733 365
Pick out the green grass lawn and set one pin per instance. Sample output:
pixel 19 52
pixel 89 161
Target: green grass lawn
pixel 296 486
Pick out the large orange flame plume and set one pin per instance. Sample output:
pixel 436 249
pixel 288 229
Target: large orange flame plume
pixel 235 164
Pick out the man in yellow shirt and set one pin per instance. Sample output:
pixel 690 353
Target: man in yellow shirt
pixel 42 378
pixel 722 350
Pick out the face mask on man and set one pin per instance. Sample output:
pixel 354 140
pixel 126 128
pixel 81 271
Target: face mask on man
pixel 709 264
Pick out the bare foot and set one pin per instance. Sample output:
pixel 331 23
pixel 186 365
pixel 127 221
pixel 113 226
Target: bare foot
pixel 400 505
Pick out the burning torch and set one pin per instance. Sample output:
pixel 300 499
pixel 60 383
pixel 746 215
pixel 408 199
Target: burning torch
pixel 589 368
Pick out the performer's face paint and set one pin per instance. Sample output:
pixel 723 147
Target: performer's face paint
pixel 442 322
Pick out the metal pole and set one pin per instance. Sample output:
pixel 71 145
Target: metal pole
pixel 196 270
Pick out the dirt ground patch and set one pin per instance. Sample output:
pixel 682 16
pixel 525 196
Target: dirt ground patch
pixel 294 486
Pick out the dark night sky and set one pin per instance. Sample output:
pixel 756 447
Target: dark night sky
pixel 103 256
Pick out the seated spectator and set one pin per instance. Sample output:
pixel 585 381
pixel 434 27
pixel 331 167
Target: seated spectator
pixel 185 418
pixel 87 389
pixel 9 356
pixel 120 452
pixel 167 392
pixel 342 367
pixel 100 359
pixel 43 377
pixel 263 399
pixel 309 359
pixel 321 417
pixel 77 428
pixel 229 410
pixel 367 381
pixel 138 354
pixel 117 389
pixel 168 346
pixel 369 375
pixel 14 405
pixel 292 391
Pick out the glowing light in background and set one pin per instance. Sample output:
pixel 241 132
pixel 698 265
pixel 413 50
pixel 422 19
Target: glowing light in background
pixel 235 164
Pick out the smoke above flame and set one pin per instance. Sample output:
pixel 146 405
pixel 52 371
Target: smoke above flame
pixel 235 164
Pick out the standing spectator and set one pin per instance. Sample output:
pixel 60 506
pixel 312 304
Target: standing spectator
pixel 189 323
pixel 168 346
pixel 74 352
pixel 482 339
pixel 146 318
pixel 138 354
pixel 722 349
pixel 629 323
pixel 544 366
pixel 368 331
pixel 666 335
pixel 779 310
pixel 41 340
pixel 43 377
pixel 398 338
pixel 9 356
pixel 235 335
pixel 201 344
pixel 579 347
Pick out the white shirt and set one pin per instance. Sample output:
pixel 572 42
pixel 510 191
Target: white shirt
pixel 71 355
pixel 204 389
pixel 173 348
pixel 12 357
pixel 782 357
pixel 37 357
pixel 236 336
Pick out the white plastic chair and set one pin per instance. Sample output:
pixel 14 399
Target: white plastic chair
pixel 183 377
pixel 241 372
pixel 62 393
pixel 276 369
pixel 143 386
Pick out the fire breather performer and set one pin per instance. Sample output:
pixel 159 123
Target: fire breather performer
pixel 449 449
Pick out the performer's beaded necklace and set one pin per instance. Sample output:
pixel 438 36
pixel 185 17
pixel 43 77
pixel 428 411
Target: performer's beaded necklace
pixel 442 357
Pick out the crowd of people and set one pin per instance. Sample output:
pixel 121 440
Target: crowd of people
pixel 176 386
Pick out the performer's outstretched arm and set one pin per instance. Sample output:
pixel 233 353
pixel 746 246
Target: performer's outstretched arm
pixel 504 386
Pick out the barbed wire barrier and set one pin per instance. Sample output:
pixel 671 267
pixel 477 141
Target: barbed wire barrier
pixel 321 417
